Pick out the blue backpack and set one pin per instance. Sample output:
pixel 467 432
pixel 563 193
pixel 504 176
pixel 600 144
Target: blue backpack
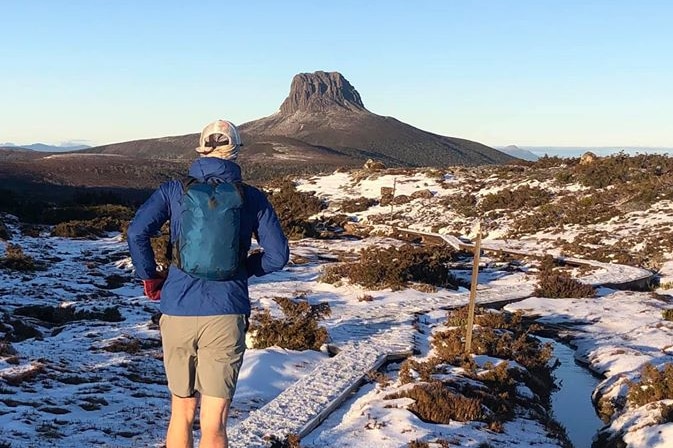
pixel 208 245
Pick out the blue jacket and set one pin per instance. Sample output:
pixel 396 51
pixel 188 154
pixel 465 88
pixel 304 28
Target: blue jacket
pixel 182 294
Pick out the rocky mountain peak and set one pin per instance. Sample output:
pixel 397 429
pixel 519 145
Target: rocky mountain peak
pixel 321 92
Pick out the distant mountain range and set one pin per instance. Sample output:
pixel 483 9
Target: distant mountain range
pixel 533 153
pixel 519 153
pixel 576 151
pixel 45 148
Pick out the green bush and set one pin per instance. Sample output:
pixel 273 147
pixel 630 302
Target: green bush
pixel 622 169
pixel 569 210
pixel 545 162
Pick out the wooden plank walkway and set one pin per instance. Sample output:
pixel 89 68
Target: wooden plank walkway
pixel 382 333
pixel 303 406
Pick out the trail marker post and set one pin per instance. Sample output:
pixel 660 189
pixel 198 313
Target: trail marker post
pixel 473 291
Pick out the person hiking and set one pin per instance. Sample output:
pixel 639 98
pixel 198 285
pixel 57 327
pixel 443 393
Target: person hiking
pixel 204 296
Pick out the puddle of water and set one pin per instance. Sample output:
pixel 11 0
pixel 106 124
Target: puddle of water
pixel 571 404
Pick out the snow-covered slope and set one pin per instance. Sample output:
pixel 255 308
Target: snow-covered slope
pixel 97 380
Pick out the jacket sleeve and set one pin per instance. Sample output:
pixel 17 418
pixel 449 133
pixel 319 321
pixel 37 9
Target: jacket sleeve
pixel 147 222
pixel 271 238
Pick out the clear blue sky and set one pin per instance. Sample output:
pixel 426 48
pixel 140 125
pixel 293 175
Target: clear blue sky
pixel 527 72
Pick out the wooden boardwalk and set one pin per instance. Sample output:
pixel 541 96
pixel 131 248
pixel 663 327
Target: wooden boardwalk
pixel 383 333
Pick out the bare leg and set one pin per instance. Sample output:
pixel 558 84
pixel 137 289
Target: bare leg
pixel 183 411
pixel 213 420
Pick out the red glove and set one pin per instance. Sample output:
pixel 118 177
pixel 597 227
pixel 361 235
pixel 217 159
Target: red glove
pixel 152 288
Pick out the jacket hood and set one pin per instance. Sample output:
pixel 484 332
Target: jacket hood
pixel 205 168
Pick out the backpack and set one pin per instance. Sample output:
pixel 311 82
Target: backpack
pixel 208 245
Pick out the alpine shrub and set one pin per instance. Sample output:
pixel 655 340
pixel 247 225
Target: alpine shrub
pixel 16 260
pixel 559 285
pixel 395 267
pixel 524 196
pixel 503 337
pixel 667 314
pixel 655 384
pixel 90 229
pixel 355 205
pixel 59 315
pixel 298 329
pixel 293 208
pixel 435 403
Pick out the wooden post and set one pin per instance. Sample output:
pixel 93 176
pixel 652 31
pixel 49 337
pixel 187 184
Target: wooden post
pixel 473 291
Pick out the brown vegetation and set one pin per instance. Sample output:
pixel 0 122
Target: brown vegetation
pixel 395 267
pixel 435 403
pixel 620 169
pixel 6 349
pixel 90 229
pixel 26 375
pixel 131 345
pixel 500 335
pixel 293 208
pixel 289 441
pixel 560 285
pixel 507 199
pixel 354 205
pixel 655 384
pixel 298 329
pixel 58 315
pixel 464 204
pixel 16 260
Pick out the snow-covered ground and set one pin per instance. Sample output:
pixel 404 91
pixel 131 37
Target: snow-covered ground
pixel 99 382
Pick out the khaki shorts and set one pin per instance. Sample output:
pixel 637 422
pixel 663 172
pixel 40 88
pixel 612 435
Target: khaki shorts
pixel 203 353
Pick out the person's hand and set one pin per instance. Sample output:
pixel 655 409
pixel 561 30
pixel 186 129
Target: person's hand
pixel 152 288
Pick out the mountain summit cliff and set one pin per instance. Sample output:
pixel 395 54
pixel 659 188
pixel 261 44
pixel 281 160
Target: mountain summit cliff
pixel 324 111
pixel 323 124
pixel 319 92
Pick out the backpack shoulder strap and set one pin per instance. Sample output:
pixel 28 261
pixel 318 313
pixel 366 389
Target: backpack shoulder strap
pixel 187 182
pixel 240 187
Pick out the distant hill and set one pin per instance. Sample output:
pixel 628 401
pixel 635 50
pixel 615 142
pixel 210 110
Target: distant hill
pixel 8 147
pixel 45 148
pixel 519 153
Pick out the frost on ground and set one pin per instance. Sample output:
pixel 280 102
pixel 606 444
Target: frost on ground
pixel 81 362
